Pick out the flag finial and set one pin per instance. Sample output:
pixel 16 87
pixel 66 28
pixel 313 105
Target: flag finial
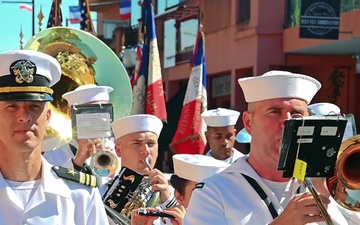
pixel 40 16
pixel 21 38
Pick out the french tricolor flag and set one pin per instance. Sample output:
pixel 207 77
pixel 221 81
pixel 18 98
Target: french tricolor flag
pixel 75 14
pixel 125 9
pixel 189 136
pixel 148 92
pixel 26 7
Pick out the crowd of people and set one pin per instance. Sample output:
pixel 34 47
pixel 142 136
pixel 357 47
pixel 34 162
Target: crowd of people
pixel 225 186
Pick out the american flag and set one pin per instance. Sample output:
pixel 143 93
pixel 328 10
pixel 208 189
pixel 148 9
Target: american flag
pixel 86 22
pixel 55 16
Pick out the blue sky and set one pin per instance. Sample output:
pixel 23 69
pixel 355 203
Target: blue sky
pixel 13 18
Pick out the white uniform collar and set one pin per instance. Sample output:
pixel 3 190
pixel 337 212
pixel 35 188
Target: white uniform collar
pixel 232 159
pixel 51 184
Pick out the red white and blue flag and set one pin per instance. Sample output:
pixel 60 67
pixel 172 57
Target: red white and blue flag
pixel 148 94
pixel 189 137
pixel 125 9
pixel 26 7
pixel 55 15
pixel 135 73
pixel 75 14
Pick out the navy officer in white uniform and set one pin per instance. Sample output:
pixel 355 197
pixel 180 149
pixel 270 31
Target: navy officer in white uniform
pixel 232 197
pixel 32 191
pixel 220 133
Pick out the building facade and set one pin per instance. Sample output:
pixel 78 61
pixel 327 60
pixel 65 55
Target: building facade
pixel 250 37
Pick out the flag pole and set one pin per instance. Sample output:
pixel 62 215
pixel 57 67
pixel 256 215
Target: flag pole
pixel 33 17
pixel 33 11
pixel 89 25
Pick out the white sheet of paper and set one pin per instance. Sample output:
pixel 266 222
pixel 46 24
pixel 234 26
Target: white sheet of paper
pixel 93 125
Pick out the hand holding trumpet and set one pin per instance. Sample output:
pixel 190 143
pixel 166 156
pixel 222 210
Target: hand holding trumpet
pixel 84 151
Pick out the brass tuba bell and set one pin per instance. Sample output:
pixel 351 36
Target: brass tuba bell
pixel 84 59
pixel 344 186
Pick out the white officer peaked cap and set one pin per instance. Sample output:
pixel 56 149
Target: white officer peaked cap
pixel 324 108
pixel 279 84
pixel 196 167
pixel 27 75
pixel 87 93
pixel 220 117
pixel 136 123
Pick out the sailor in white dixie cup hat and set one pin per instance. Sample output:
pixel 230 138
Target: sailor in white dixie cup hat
pixel 77 153
pixel 252 190
pixel 32 191
pixel 136 141
pixel 196 167
pixel 220 133
pixel 189 171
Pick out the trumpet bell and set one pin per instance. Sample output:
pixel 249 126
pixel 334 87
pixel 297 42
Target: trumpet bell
pixel 344 186
pixel 104 163
pixel 84 59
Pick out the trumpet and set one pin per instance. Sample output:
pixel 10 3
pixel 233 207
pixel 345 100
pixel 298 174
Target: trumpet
pixel 116 217
pixel 103 162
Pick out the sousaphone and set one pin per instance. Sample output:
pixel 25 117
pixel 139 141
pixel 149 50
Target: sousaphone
pixel 84 59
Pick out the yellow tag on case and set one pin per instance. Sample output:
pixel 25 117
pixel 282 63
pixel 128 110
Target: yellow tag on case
pixel 300 169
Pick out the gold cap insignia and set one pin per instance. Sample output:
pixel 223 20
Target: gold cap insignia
pixel 23 70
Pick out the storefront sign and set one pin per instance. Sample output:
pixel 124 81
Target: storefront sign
pixel 320 19
pixel 221 86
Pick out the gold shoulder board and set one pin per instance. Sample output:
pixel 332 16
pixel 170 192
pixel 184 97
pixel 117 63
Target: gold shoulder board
pixel 76 176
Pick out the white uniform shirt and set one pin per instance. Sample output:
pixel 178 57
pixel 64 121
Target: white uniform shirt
pixel 230 160
pixel 62 155
pixel 55 201
pixel 227 198
pixel 352 217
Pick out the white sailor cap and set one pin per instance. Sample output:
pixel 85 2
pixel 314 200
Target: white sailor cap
pixel 243 136
pixel 87 93
pixel 323 108
pixel 136 123
pixel 196 167
pixel 279 84
pixel 27 75
pixel 220 117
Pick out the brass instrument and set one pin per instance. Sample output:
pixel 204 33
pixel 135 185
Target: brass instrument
pixel 103 162
pixel 344 186
pixel 84 59
pixel 141 197
pixel 116 217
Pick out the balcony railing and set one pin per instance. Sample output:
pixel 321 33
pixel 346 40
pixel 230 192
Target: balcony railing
pixel 292 10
